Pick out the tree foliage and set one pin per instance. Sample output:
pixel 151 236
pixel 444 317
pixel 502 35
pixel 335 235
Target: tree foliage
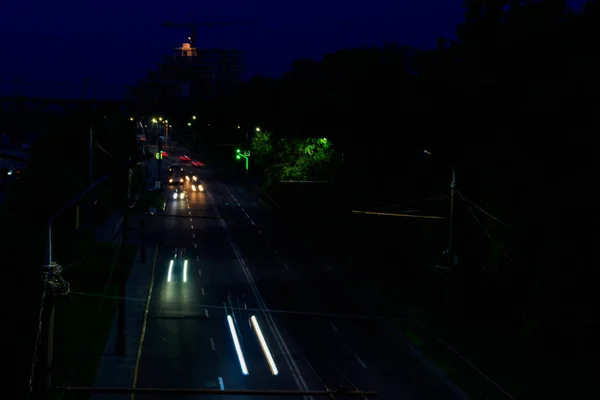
pixel 292 159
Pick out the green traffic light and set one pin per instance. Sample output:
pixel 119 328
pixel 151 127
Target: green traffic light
pixel 237 150
pixel 237 157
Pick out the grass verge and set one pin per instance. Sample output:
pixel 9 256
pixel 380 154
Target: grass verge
pixel 83 322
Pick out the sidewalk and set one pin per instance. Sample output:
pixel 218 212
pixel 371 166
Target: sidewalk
pixel 118 370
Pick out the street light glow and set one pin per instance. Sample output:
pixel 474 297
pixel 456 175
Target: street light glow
pixel 154 120
pixel 257 129
pixel 193 117
pixel 189 124
pixel 131 118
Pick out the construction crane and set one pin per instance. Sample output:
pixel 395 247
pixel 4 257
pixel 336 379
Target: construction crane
pixel 194 25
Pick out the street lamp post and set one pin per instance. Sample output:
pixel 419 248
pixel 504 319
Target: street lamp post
pixel 239 155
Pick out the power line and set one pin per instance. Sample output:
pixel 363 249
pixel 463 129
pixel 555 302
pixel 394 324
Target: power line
pixel 102 148
pixel 415 202
pixel 492 239
pixel 481 209
pixel 269 310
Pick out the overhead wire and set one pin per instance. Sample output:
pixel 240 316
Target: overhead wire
pixel 492 239
pixel 104 150
pixel 481 209
pixel 414 202
pixel 232 307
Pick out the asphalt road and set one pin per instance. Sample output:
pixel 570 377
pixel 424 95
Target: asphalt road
pixel 232 262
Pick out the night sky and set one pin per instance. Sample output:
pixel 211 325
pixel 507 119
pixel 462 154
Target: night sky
pixel 53 46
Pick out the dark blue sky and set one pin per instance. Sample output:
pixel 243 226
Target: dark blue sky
pixel 53 46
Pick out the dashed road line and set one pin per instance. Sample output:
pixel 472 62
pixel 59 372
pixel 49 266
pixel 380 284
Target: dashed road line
pixel 334 327
pixel 200 272
pixel 212 344
pixel 192 226
pixel 195 246
pixel 193 235
pixel 197 258
pixel 206 313
pixel 202 290
pixel 221 385
pixel 259 232
pixel 360 361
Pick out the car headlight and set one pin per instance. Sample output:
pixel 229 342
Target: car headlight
pixel 201 188
pixel 170 180
pixel 175 196
pixel 180 179
pixel 182 195
pixel 195 178
pixel 194 188
pixel 187 178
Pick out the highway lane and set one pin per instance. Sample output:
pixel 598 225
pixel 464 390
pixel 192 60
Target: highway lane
pixel 188 341
pixel 341 347
pixel 313 314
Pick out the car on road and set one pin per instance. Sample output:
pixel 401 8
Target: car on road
pixel 197 186
pixel 197 164
pixel 178 194
pixel 175 175
pixel 185 158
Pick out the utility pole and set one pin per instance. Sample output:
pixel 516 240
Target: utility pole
pixel 55 285
pixel 451 219
pixel 90 91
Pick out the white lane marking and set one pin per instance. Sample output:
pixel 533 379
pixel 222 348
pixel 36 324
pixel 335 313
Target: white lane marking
pixel 206 313
pixel 189 212
pixel 200 272
pixel 193 235
pixel 259 232
pixel 275 252
pixel 361 362
pixel 212 344
pixel 244 211
pixel 195 246
pixel 202 290
pixel 286 266
pixel 252 222
pixel 334 327
pixel 221 385
pixel 192 226
pixel 247 216
pixel 191 220
pixel 266 241
pixel 287 355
